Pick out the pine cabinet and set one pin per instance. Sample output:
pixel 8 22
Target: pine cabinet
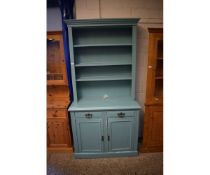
pixel 58 130
pixel 104 113
pixel 153 118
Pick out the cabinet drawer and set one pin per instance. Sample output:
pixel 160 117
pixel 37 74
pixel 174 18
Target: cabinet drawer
pixel 121 114
pixel 88 114
pixel 56 113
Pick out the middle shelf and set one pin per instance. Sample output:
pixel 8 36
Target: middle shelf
pixel 101 73
pixel 102 56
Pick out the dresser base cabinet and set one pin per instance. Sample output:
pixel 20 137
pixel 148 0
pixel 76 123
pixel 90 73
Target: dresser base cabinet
pixel 153 129
pixel 105 134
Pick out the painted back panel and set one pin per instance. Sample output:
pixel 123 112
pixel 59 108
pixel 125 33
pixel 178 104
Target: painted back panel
pixel 103 55
pixel 98 89
pixel 98 35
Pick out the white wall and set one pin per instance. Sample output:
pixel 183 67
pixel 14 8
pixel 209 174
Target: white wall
pixel 151 14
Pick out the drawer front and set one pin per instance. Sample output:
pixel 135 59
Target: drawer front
pixel 121 114
pixel 56 113
pixel 88 114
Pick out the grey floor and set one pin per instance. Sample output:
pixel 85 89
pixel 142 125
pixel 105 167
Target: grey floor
pixel 144 164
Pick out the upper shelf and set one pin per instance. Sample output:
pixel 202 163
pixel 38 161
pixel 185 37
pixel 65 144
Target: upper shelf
pixel 90 37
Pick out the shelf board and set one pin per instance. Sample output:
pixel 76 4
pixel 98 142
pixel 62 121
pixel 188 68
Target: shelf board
pixel 125 103
pixel 102 64
pixel 159 78
pixel 105 78
pixel 56 82
pixel 102 45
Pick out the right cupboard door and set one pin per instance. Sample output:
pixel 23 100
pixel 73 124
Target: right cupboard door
pixel 120 134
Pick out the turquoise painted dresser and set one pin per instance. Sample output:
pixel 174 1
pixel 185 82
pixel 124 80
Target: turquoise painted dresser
pixel 104 114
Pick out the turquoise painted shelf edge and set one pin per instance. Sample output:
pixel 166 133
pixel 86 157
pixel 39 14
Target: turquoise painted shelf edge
pixel 101 22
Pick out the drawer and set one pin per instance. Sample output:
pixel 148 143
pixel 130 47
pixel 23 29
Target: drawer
pixel 121 114
pixel 88 114
pixel 56 113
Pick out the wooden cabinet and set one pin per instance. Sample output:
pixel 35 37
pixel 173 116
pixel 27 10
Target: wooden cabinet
pixel 153 118
pixel 58 130
pixel 103 68
pixel 105 134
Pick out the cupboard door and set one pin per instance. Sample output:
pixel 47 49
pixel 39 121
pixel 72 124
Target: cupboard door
pixel 58 133
pixel 155 69
pixel 90 134
pixel 56 69
pixel 153 129
pixel 121 134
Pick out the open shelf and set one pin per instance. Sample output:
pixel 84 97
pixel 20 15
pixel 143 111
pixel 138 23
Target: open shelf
pixel 103 60
pixel 85 37
pixel 103 56
pixel 103 73
pixel 103 90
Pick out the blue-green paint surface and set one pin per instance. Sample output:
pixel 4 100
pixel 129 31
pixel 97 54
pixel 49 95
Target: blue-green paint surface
pixel 103 62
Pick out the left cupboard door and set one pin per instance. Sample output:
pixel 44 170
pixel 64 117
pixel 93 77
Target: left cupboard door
pixel 90 134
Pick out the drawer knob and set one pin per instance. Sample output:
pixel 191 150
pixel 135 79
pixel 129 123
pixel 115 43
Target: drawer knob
pixel 121 114
pixel 88 115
